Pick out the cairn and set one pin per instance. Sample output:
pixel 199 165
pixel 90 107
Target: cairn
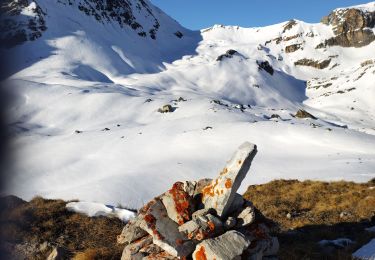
pixel 202 220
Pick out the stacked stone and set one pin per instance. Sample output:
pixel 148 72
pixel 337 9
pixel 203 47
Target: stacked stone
pixel 202 220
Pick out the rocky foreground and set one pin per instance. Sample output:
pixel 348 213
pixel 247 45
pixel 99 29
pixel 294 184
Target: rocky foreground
pixel 205 219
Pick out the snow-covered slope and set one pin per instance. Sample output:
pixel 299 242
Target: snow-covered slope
pixel 87 90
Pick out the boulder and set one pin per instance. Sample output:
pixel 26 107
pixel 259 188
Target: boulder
pixel 178 203
pixel 220 194
pixel 230 245
pixel 166 109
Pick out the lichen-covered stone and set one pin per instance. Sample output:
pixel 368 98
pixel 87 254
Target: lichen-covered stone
pixel 178 203
pixel 220 194
pixel 164 230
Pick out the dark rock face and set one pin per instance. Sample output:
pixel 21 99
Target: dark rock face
pixel 289 25
pixel 229 54
pixel 351 27
pixel 24 28
pixel 313 63
pixel 265 65
pixel 120 12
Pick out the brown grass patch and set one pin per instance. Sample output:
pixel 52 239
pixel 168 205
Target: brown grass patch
pixel 314 207
pixel 317 211
pixel 42 220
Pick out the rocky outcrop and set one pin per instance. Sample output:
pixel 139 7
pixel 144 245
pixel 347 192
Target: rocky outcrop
pixel 205 219
pixel 24 20
pixel 266 66
pixel 313 63
pixel 352 28
pixel 289 25
pixel 228 54
pixel 292 48
pixel 16 28
pixel 304 114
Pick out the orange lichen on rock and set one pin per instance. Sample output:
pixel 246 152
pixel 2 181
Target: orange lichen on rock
pixel 151 223
pixel 211 225
pixel 201 254
pixel 228 183
pixel 181 202
pixel 209 190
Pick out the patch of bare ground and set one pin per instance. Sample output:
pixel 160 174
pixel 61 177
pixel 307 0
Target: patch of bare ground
pixel 310 211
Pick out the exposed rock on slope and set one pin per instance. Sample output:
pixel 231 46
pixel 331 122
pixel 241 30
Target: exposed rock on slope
pixel 25 20
pixel 210 222
pixel 313 63
pixel 20 21
pixel 352 27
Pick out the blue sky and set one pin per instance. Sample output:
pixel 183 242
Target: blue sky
pixel 198 14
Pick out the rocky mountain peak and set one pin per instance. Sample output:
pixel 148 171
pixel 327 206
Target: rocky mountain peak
pixel 352 26
pixel 26 20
